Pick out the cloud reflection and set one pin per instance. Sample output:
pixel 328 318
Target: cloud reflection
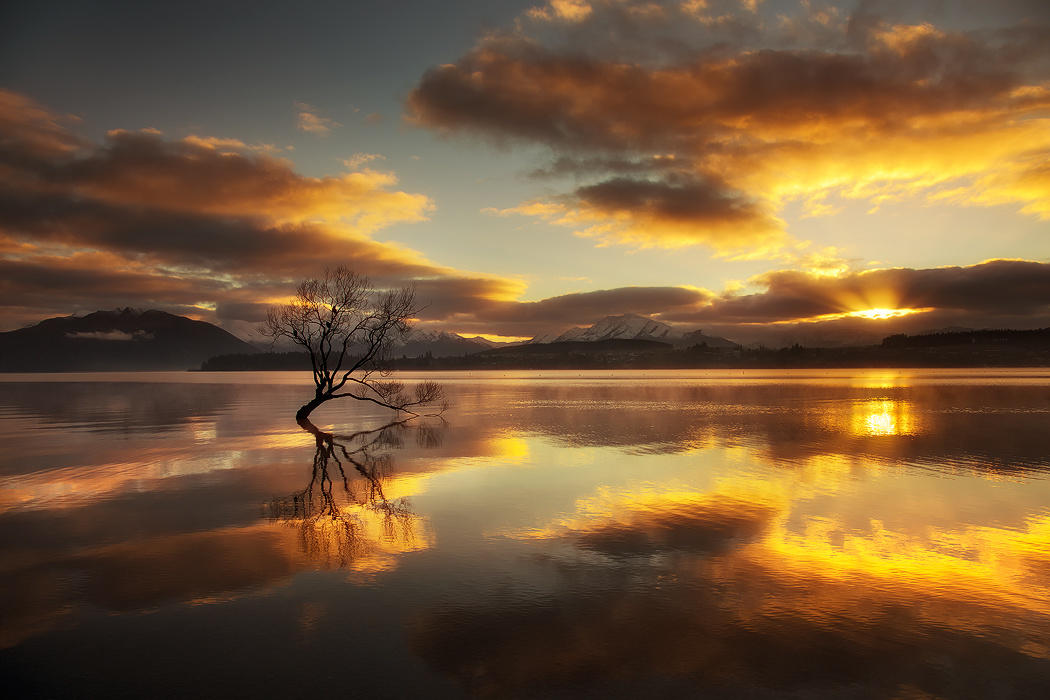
pixel 701 532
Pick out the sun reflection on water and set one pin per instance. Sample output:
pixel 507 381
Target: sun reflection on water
pixel 884 417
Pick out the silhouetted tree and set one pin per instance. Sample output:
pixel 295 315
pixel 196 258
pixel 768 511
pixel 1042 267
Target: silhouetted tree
pixel 348 327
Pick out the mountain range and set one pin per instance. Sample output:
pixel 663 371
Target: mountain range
pixel 131 339
pixel 634 327
pixel 439 344
pixel 121 339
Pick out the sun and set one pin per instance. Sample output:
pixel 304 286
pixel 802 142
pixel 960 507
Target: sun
pixel 882 313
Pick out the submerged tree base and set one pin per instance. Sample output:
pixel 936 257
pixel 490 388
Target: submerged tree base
pixel 303 414
pixel 390 395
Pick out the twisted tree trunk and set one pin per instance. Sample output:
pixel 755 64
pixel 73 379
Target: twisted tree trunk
pixel 307 408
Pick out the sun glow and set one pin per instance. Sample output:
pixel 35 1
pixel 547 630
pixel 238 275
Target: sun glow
pixel 880 314
pixel 873 314
pixel 497 338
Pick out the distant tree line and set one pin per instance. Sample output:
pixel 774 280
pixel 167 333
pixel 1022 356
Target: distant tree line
pixel 1037 337
pixel 286 361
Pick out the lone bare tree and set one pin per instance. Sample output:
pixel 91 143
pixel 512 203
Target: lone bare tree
pixel 348 327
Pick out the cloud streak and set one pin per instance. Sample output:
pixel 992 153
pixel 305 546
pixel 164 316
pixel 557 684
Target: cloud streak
pixel 308 119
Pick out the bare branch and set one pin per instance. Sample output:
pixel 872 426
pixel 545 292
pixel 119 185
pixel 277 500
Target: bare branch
pixel 347 328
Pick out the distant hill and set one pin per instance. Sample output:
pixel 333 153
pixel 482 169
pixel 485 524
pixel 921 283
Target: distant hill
pixel 122 339
pixel 634 327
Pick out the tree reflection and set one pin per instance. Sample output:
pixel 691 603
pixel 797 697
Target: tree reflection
pixel 344 515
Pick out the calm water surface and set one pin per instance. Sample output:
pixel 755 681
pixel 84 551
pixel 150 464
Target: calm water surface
pixel 849 534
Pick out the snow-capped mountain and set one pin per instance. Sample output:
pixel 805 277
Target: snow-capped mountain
pixel 633 327
pixel 626 326
pixel 419 342
pixel 416 335
pixel 546 337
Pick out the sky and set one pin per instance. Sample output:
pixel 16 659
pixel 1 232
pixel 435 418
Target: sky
pixel 767 170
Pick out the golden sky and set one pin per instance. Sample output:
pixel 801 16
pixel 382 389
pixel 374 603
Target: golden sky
pixel 759 169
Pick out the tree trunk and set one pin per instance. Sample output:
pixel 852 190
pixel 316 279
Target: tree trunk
pixel 307 408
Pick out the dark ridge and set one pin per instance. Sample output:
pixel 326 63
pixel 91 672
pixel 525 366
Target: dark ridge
pixel 124 339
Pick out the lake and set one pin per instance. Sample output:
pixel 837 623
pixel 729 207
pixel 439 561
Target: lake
pixel 858 534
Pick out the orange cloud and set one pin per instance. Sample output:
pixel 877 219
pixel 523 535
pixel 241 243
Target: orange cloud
pixel 510 317
pixel 191 224
pixel 563 10
pixel 871 109
pixel 1003 287
pixel 672 213
pixel 310 121
pixel 829 302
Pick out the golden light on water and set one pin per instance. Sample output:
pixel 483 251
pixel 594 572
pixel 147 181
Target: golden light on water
pixel 509 448
pixel 969 575
pixel 884 417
